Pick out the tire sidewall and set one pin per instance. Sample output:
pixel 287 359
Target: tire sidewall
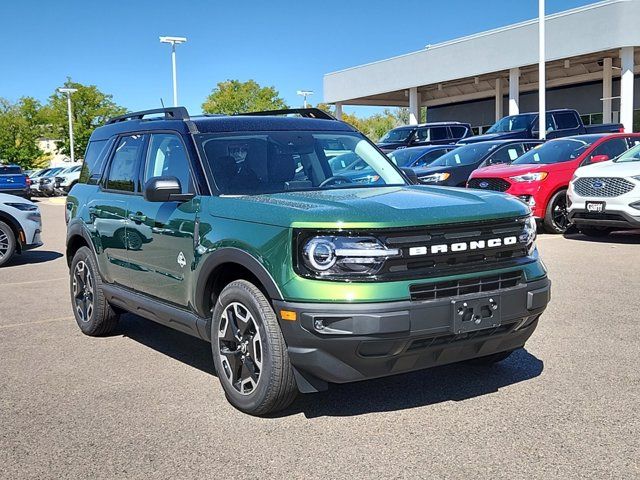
pixel 84 254
pixel 12 243
pixel 251 402
pixel 549 225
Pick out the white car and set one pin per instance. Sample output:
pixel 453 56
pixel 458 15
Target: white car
pixel 68 178
pixel 20 226
pixel 606 196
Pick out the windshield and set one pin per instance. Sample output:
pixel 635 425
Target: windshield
pixel 10 170
pixel 554 151
pixel 512 123
pixel 465 155
pixel 405 157
pixel 397 135
pixel 254 163
pixel 632 155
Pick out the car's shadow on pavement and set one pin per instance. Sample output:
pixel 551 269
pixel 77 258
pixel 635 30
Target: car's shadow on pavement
pixel 426 387
pixel 623 237
pixel 32 257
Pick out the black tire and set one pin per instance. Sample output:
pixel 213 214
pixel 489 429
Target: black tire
pixel 556 219
pixel 489 360
pixel 92 312
pixel 243 316
pixel 7 243
pixel 595 231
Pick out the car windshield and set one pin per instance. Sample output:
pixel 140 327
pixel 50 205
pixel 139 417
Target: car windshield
pixel 406 156
pixel 254 163
pixel 465 155
pixel 512 123
pixel 10 170
pixel 632 155
pixel 397 135
pixel 554 151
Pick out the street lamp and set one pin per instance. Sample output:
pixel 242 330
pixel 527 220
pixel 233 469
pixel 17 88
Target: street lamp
pixel 69 91
pixel 305 94
pixel 174 41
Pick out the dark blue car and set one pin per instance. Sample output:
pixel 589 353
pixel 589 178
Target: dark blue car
pixel 13 181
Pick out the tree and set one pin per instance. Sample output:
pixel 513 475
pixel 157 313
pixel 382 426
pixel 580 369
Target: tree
pixel 21 125
pixel 91 108
pixel 233 96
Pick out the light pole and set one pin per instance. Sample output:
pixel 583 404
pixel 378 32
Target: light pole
pixel 305 94
pixel 174 41
pixel 69 91
pixel 542 87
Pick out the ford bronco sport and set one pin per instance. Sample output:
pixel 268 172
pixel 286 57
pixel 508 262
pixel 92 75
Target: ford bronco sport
pixel 235 229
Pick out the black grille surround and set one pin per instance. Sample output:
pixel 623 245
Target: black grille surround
pixel 409 267
pixel 602 187
pixel 495 184
pixel 456 288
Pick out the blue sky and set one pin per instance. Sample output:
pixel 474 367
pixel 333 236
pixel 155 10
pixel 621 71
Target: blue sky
pixel 288 44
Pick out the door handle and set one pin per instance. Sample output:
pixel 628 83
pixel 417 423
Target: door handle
pixel 138 217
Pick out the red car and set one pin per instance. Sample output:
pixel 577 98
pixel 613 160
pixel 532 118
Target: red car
pixel 541 176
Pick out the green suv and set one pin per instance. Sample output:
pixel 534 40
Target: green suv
pixel 238 230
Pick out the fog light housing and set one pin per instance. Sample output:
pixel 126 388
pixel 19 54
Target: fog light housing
pixel 635 205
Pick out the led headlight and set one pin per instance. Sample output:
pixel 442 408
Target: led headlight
pixel 343 256
pixel 435 178
pixel 529 233
pixel 530 177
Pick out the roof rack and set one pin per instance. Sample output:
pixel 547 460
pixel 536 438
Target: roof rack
pixel 170 113
pixel 303 112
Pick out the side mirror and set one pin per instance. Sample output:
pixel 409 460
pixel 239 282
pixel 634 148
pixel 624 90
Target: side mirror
pixel 165 189
pixel 599 158
pixel 411 175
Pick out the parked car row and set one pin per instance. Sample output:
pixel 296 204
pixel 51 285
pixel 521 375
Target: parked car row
pixel 54 181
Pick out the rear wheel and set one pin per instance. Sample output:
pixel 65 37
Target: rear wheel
pixel 556 219
pixel 7 243
pixel 249 352
pixel 92 312
pixel 595 231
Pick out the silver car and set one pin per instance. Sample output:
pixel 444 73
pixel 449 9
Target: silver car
pixel 20 226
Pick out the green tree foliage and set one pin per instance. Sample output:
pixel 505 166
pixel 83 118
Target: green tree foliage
pixel 233 96
pixel 376 125
pixel 91 108
pixel 21 125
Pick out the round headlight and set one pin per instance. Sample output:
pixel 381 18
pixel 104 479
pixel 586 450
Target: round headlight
pixel 320 254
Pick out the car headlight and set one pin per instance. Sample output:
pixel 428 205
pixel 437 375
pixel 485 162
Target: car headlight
pixel 530 177
pixel 435 178
pixel 343 256
pixel 529 233
pixel 25 207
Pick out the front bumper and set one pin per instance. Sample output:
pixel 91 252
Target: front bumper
pixel 342 342
pixel 611 218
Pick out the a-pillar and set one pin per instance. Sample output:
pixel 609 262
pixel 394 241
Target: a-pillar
pixel 514 91
pixel 626 88
pixel 414 106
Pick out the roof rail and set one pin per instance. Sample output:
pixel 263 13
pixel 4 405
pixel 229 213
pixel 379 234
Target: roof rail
pixel 303 112
pixel 170 113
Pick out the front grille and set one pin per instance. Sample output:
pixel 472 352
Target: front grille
pixel 424 343
pixel 602 186
pixel 430 264
pixel 439 290
pixel 497 184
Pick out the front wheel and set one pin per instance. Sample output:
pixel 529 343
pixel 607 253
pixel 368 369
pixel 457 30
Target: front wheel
pixel 556 219
pixel 249 352
pixel 7 243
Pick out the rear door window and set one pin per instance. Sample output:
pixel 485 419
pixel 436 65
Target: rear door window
pixel 611 148
pixel 506 154
pixel 124 164
pixel 566 120
pixel 438 133
pixel 458 132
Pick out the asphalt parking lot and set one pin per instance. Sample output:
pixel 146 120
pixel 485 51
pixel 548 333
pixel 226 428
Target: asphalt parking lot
pixel 145 403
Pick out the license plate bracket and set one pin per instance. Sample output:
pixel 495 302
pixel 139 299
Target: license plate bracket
pixel 595 207
pixel 475 314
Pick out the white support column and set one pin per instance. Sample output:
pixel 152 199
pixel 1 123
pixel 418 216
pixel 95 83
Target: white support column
pixel 514 91
pixel 414 106
pixel 607 91
pixel 542 74
pixel 338 111
pixel 626 89
pixel 499 99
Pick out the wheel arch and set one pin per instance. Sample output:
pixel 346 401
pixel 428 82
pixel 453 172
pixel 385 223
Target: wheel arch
pixel 77 237
pixel 15 227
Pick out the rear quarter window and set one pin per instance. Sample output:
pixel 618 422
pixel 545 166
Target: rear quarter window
pixel 94 159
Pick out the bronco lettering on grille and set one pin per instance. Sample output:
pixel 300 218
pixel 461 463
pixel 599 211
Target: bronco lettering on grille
pixel 463 246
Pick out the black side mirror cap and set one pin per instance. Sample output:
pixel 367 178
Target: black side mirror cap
pixel 410 173
pixel 165 189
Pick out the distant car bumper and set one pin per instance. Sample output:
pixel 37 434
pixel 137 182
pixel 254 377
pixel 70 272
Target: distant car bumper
pixel 22 192
pixel 342 343
pixel 611 218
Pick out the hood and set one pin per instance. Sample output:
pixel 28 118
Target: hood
pixel 391 145
pixel 610 169
pixel 506 171
pixel 371 207
pixel 492 136
pixel 6 198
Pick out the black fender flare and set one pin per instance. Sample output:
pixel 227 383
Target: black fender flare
pixel 233 255
pixel 77 229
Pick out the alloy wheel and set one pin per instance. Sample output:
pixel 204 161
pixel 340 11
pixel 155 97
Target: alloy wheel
pixel 240 348
pixel 4 244
pixel 83 292
pixel 559 215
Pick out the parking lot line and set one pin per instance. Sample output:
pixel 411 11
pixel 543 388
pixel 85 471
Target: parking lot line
pixel 37 322
pixel 33 281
